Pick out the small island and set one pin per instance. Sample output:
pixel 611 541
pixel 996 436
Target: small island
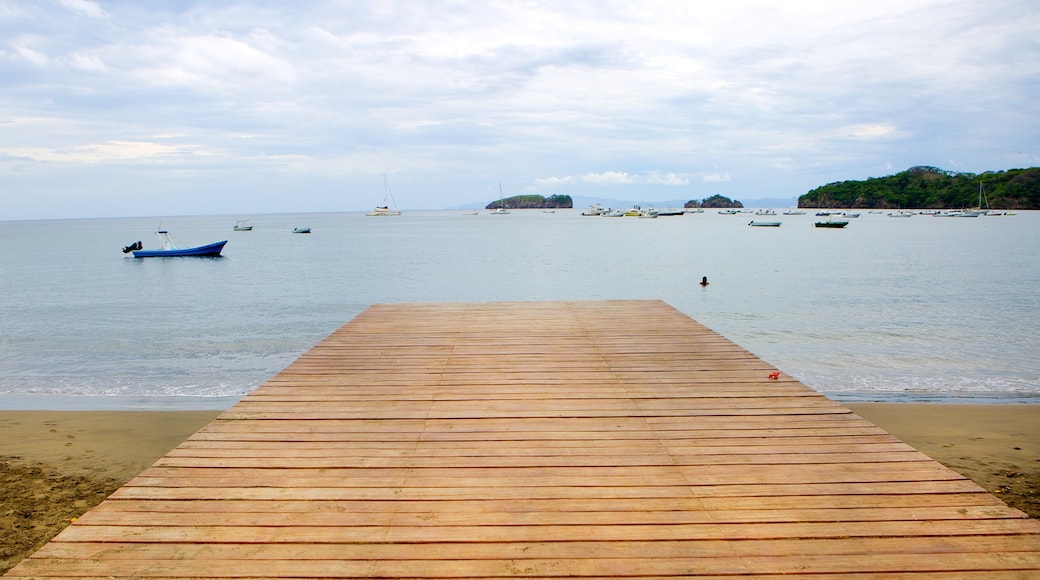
pixel 714 202
pixel 532 202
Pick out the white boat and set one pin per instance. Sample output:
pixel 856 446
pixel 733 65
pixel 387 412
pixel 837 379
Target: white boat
pixel 594 210
pixel 649 213
pixel 501 209
pixel 243 226
pixel 613 213
pixel 901 213
pixel 388 202
pixel 765 212
pixel 794 212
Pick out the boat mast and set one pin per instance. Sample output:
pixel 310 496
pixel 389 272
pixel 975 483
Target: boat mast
pixel 388 197
pixel 982 195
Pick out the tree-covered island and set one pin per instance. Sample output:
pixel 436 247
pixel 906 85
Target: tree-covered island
pixel 533 202
pixel 715 201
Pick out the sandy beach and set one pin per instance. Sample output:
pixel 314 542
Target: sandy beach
pixel 56 465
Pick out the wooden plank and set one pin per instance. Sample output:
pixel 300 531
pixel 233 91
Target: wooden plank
pixel 540 439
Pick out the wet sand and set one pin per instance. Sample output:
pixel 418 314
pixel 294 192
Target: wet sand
pixel 56 465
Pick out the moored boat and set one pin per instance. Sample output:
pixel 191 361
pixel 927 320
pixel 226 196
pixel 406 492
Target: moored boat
pixel 389 207
pixel 594 210
pixel 762 224
pixel 671 211
pixel 303 230
pixel 168 249
pixel 501 209
pixel 831 224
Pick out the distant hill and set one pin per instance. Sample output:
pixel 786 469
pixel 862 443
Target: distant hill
pixel 932 188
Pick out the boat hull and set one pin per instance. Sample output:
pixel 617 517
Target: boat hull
pixel 210 250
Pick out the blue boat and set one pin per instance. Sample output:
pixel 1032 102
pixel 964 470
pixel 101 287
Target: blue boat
pixel 170 250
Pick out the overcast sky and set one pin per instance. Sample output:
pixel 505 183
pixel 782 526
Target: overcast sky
pixel 134 108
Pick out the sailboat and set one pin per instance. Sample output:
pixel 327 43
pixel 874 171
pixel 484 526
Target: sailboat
pixel 978 209
pixel 388 200
pixel 501 209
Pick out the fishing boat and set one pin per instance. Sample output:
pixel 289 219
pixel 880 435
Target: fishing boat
pixel 388 201
pixel 168 249
pixel 832 224
pixel 243 226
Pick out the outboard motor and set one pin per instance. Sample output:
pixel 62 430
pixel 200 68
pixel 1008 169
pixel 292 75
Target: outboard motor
pixel 134 246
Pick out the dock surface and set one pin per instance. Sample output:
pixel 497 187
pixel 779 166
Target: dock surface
pixel 540 439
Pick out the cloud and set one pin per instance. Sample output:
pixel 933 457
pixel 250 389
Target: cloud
pixel 657 177
pixel 92 153
pixel 211 63
pixel 87 62
pixel 608 178
pixel 84 8
pixel 554 181
pixel 716 177
pixel 871 131
pixel 30 55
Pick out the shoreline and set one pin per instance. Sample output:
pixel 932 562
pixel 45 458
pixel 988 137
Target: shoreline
pixel 56 465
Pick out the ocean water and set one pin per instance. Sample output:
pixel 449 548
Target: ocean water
pixel 910 309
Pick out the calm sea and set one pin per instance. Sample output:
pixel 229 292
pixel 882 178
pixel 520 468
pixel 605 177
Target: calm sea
pixel 891 309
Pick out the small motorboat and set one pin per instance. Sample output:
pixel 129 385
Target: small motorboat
pixel 168 249
pixel 243 226
pixel 759 224
pixel 301 230
pixel 832 224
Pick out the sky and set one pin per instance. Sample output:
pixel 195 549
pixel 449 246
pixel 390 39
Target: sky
pixel 152 108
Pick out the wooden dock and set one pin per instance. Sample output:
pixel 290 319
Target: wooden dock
pixel 541 439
